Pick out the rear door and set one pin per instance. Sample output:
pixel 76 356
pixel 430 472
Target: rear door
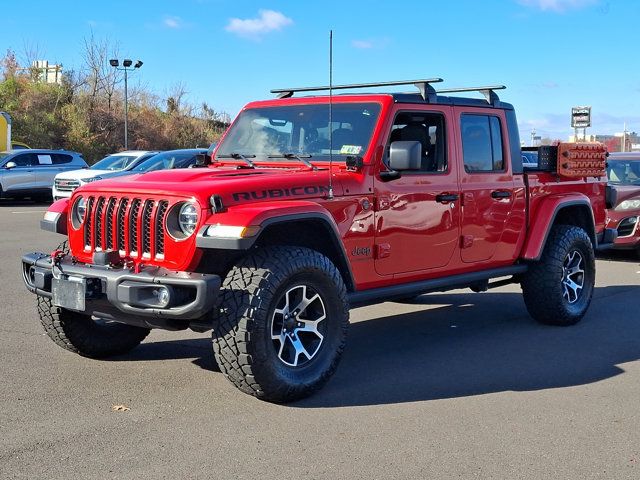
pixel 486 182
pixel 417 216
pixel 47 166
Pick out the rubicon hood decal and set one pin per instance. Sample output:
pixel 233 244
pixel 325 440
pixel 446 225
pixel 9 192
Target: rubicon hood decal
pixel 281 193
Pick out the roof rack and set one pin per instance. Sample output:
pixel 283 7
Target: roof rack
pixel 488 92
pixel 427 92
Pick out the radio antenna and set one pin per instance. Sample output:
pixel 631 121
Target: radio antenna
pixel 330 114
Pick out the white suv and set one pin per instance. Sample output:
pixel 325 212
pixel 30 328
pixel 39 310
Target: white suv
pixel 65 183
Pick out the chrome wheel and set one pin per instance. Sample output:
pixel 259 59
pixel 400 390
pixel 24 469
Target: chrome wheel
pixel 297 328
pixel 572 276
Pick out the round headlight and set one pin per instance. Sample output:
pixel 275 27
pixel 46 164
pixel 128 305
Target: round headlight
pixel 79 212
pixel 188 218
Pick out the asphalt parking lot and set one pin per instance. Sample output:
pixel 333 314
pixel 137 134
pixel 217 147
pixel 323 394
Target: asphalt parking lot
pixel 456 385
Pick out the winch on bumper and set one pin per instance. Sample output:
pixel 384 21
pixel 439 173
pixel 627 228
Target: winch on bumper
pixel 153 298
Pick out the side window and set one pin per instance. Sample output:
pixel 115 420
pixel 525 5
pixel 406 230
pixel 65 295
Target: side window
pixel 44 159
pixel 24 160
pixel 481 143
pixel 429 130
pixel 60 158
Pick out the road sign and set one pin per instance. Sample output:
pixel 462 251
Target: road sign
pixel 580 117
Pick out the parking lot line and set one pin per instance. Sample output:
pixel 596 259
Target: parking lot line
pixel 30 211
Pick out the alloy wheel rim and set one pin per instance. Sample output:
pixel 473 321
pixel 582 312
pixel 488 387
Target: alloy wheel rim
pixel 297 325
pixel 572 276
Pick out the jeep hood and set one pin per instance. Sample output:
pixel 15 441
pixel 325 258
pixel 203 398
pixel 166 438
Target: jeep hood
pixel 234 185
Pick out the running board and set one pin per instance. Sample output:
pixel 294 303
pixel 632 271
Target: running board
pixel 382 294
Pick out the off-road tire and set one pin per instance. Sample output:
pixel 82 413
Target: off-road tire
pixel 242 334
pixel 81 334
pixel 542 285
pixel 85 336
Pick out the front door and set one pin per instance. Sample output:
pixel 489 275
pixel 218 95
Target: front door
pixel 486 182
pixel 21 178
pixel 417 216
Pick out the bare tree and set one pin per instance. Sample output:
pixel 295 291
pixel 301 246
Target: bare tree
pixel 101 77
pixel 175 98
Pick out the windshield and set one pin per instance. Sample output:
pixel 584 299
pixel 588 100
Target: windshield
pixel 165 161
pixel 302 130
pixel 623 172
pixel 4 154
pixel 114 162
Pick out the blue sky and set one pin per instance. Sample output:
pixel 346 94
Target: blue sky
pixel 551 54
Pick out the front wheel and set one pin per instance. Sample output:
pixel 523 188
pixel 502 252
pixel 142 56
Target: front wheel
pixel 558 289
pixel 282 324
pixel 87 336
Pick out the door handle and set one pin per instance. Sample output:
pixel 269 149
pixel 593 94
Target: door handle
pixel 500 194
pixel 447 197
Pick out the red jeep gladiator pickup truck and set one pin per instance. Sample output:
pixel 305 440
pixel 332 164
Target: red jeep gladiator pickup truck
pixel 313 205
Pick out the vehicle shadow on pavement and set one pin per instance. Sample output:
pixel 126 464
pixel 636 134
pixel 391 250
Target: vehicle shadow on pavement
pixel 629 256
pixel 8 202
pixel 198 349
pixel 477 344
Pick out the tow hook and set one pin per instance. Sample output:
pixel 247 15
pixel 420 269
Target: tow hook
pixel 56 256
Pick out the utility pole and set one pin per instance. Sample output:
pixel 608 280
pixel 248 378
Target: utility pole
pixel 624 138
pixel 533 136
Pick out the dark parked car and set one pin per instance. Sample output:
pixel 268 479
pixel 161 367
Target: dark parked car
pixel 161 161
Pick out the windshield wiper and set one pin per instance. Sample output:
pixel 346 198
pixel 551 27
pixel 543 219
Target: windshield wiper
pixel 239 156
pixel 302 158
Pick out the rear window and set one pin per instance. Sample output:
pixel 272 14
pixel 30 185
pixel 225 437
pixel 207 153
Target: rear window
pixel 45 159
pixel 60 158
pixel 481 143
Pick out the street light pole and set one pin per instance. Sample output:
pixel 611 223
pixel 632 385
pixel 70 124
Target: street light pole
pixel 126 66
pixel 126 113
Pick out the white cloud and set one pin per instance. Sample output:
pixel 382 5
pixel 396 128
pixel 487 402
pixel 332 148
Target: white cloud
pixel 558 5
pixel 362 44
pixel 172 22
pixel 254 28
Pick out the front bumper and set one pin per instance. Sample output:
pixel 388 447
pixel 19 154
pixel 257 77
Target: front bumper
pixel 120 294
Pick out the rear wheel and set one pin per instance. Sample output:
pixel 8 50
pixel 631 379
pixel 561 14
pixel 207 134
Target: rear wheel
pixel 282 324
pixel 558 289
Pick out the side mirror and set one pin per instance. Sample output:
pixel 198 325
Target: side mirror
pixel 405 155
pixel 203 160
pixel 10 165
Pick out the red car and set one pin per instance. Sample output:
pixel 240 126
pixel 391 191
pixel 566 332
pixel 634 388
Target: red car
pixel 312 205
pixel 623 171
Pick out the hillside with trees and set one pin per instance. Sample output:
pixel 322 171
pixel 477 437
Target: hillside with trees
pixel 85 112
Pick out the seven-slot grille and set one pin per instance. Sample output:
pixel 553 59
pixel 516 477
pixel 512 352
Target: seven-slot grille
pixel 64 185
pixel 132 226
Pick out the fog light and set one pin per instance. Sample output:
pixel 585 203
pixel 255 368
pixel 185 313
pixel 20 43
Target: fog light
pixel 163 296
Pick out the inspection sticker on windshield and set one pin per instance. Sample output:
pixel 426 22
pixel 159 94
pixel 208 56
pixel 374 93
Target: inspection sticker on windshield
pixel 350 149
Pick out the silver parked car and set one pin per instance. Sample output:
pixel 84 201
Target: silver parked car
pixel 30 173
